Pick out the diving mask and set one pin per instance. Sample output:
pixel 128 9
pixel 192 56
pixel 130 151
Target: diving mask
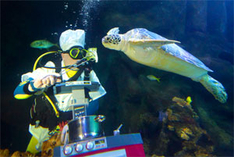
pixel 76 52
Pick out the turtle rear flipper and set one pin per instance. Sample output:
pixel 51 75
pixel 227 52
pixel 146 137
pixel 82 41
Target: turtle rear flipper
pixel 215 88
pixel 151 42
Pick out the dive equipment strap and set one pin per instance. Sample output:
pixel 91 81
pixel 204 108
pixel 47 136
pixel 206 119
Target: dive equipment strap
pixel 33 87
pixel 77 75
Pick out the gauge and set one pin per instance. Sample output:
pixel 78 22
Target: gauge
pixel 90 145
pixel 79 147
pixel 67 150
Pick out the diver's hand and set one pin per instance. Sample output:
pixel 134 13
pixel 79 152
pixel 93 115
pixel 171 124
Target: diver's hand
pixel 46 81
pixel 90 56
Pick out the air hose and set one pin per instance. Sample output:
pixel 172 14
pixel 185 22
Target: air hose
pixel 47 97
pixel 36 62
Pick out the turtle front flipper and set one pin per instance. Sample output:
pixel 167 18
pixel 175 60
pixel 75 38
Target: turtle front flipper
pixel 151 42
pixel 214 87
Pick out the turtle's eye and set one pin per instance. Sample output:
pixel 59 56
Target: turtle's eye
pixel 109 39
pixel 116 39
pixel 112 39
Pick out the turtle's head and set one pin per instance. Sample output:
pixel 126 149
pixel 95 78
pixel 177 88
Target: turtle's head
pixel 112 40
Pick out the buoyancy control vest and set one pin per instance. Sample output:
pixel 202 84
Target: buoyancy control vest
pixel 42 112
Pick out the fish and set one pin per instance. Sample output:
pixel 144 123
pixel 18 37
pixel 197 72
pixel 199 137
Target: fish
pixel 189 100
pixel 42 44
pixel 182 102
pixel 153 78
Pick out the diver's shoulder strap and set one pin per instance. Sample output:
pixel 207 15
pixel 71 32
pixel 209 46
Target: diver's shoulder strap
pixel 58 65
pixel 77 75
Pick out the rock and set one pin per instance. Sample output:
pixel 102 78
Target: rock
pixel 196 16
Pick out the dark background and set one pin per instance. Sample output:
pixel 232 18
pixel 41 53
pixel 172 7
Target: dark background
pixel 204 28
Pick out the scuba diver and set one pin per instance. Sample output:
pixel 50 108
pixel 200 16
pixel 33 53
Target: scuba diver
pixel 49 109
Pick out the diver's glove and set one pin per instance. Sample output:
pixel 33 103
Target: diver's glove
pixel 90 56
pixel 46 80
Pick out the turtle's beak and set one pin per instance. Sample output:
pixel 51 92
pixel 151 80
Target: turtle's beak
pixel 104 42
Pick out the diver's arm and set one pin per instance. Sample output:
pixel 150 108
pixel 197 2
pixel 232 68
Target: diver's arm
pixel 42 83
pixel 93 77
pixel 27 88
pixel 22 92
pixel 36 82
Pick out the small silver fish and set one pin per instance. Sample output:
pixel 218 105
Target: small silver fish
pixel 42 44
pixel 153 78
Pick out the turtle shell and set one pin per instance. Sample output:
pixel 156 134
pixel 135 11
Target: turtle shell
pixel 172 49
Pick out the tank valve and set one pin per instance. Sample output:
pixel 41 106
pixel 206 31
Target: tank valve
pixel 117 131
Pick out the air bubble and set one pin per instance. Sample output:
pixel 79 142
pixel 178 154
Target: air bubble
pixel 65 6
pixel 84 12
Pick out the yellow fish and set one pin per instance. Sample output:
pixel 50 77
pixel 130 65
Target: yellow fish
pixel 42 44
pixel 189 100
pixel 153 78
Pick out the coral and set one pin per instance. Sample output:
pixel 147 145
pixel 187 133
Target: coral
pixel 184 136
pixel 185 132
pixel 22 154
pixel 170 127
pixel 192 149
pixel 147 118
pixel 185 126
pixel 48 146
pixel 146 145
pixel 185 103
pixel 181 121
pixel 47 149
pixel 4 153
pixel 162 143
pixel 181 102
pixel 154 155
pixel 171 116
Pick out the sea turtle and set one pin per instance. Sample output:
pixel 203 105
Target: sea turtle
pixel 155 51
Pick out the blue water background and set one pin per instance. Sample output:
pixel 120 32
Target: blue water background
pixel 204 28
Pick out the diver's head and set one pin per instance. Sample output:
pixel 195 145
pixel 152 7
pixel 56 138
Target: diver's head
pixel 71 38
pixel 72 43
pixel 112 41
